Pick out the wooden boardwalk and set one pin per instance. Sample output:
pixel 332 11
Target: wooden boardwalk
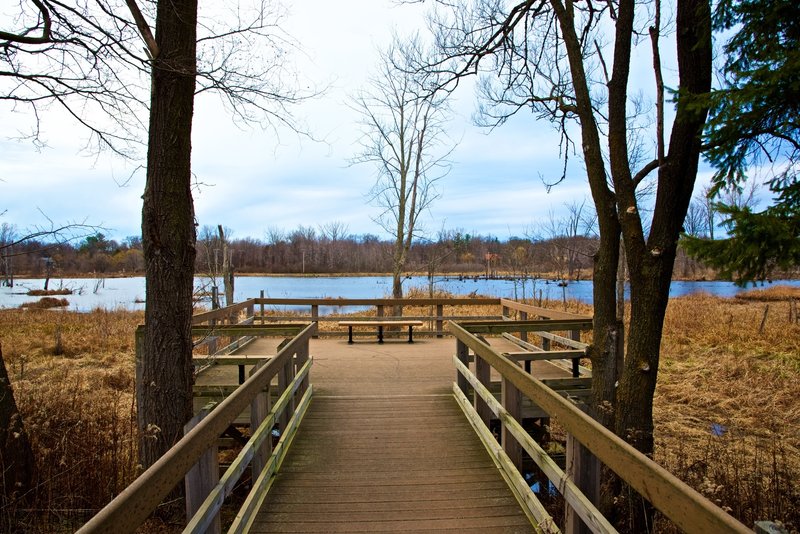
pixel 385 448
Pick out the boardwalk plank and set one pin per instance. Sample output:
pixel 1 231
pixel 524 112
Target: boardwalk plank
pixel 384 447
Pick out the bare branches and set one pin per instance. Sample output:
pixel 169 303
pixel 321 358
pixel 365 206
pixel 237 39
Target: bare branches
pixel 404 138
pixel 144 28
pixel 55 234
pixel 87 58
pixel 44 22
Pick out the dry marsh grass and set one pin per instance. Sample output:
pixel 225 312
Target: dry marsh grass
pixel 73 381
pixel 45 303
pixel 727 411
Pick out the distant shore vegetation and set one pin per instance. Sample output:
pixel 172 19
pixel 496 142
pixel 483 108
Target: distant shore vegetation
pixel 307 250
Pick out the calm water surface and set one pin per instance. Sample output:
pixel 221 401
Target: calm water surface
pixel 129 293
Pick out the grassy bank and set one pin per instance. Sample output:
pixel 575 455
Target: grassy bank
pixel 727 410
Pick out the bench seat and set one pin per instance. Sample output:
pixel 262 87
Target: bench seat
pixel 381 324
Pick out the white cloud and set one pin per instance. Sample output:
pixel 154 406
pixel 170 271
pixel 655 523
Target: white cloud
pixel 260 179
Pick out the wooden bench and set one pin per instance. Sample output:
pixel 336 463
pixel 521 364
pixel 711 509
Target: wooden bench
pixel 380 325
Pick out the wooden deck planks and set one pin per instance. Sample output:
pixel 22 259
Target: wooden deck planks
pixel 384 447
pixel 388 465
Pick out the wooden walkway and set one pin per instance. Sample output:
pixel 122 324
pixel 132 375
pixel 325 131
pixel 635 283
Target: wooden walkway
pixel 385 448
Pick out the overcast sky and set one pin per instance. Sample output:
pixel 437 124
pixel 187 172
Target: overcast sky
pixel 253 180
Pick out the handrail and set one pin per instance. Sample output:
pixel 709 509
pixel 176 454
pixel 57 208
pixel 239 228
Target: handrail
pixel 221 312
pixel 213 502
pixel 458 301
pixel 136 502
pixel 547 313
pixel 572 494
pixel 687 508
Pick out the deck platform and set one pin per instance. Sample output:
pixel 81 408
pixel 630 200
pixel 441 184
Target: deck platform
pixel 385 447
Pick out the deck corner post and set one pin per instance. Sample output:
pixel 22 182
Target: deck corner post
pixel 512 402
pixel 439 319
pixel 523 334
pixel 462 353
pixel 202 477
pixel 261 305
pixel 315 317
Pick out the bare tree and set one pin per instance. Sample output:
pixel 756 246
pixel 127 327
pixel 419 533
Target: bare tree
pixel 404 138
pixel 567 236
pixel 570 63
pixel 88 59
pixel 334 232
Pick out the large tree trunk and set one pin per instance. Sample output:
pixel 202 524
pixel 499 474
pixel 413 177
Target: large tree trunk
pixel 164 388
pixel 602 352
pixel 16 458
pixel 650 263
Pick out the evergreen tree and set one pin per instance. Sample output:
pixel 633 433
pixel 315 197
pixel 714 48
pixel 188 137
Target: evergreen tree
pixel 753 127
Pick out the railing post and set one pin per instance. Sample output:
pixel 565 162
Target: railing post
pixel 523 334
pixel 483 374
pixel 512 402
pixel 214 297
pixel 584 469
pixel 261 305
pixel 462 353
pixel 285 377
pixel 251 312
pixel 575 335
pixel 315 316
pixel 259 409
pixel 504 312
pixel 202 477
pixel 379 313
pixel 302 358
pixel 439 319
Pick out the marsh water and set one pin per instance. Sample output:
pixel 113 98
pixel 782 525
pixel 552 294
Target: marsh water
pixel 129 293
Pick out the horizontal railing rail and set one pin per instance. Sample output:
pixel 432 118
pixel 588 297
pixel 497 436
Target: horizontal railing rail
pixel 384 308
pixel 136 502
pixel 687 508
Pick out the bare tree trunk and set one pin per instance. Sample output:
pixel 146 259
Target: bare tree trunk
pixel 227 267
pixel 164 373
pixel 16 458
pixel 650 262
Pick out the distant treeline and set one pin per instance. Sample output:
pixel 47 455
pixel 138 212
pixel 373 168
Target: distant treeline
pixel 324 250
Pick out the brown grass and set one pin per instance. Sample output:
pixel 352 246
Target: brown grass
pixel 73 381
pixel 727 411
pixel 45 303
pixel 720 374
pixel 774 293
pixel 48 292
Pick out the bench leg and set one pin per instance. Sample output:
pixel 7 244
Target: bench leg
pixel 410 335
pixel 380 334
pixel 350 335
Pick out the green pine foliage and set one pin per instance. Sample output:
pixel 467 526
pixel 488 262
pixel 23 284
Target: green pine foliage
pixel 754 126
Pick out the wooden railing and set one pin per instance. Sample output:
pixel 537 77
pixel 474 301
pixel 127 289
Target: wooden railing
pixel 291 365
pixel 689 510
pixel 436 316
pixel 235 314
